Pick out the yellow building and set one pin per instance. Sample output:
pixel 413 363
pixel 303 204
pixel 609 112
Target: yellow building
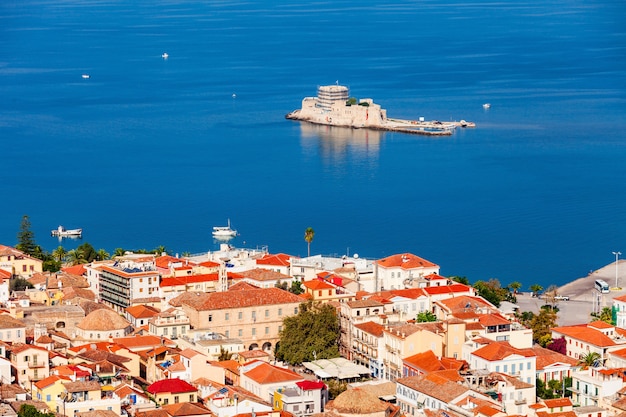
pixel 49 389
pixel 173 391
pixel 18 263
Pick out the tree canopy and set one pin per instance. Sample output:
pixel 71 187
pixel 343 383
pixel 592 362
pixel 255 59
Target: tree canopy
pixel 26 238
pixel 491 291
pixel 425 316
pixel 311 334
pixel 27 410
pixel 541 324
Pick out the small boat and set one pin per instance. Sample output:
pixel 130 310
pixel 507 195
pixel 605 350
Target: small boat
pixel 224 231
pixel 164 55
pixel 63 232
pixel 486 105
pixel 86 76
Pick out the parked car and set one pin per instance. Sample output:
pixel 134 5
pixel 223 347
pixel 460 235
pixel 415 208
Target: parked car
pixel 561 298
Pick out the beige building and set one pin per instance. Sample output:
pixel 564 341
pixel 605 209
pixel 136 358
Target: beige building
pixel 12 330
pixel 83 396
pixel 404 339
pixel 18 263
pixel 102 324
pixel 31 364
pixel 254 315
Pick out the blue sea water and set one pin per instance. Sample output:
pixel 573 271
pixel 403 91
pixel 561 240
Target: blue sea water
pixel 150 152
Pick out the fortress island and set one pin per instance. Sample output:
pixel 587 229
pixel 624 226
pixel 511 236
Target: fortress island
pixel 333 106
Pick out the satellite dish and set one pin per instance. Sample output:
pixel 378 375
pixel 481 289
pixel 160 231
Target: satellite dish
pixel 356 256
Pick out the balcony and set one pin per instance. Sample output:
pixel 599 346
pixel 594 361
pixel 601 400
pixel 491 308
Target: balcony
pixel 520 401
pixel 33 365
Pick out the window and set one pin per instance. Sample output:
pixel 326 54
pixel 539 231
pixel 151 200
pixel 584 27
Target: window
pixel 267 313
pixel 226 316
pixel 254 316
pixel 26 358
pixel 48 397
pixel 253 331
pixel 23 268
pixel 295 310
pixel 240 315
pixel 227 333
pixel 165 331
pixel 267 330
pixel 175 399
pixel 240 332
pixel 280 313
pixel 166 401
pixel 210 317
pixel 191 399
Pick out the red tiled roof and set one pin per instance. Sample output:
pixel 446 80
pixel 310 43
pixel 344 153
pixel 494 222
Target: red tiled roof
pixel 307 385
pixel 241 299
pixel 558 402
pixel 174 386
pixel 499 350
pixel 599 324
pixel 547 357
pixel 142 311
pixel 372 328
pixel 585 334
pixel 264 373
pixel 405 261
pixel 75 269
pixel 262 274
pixel 317 284
pixel 424 361
pixel 280 259
pixel 189 279
pixel 46 382
pixel 494 319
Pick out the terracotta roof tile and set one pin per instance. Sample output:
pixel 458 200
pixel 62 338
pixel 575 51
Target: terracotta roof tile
pixel 280 259
pixel 241 299
pixel 317 284
pixel 405 261
pixel 261 274
pixel 499 350
pixel 264 373
pixel 558 402
pixel 9 322
pixel 186 409
pixel 372 328
pixel 585 334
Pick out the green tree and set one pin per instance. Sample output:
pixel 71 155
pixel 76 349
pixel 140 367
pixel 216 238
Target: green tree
pixel 159 250
pixel 119 252
pixel 102 255
pixel 541 324
pixel 515 286
pixel 296 287
pixel 76 257
pixel 336 387
pixel 309 234
pixel 27 410
pixel 491 291
pixel 26 238
pixel 311 334
pixel 460 280
pixel 425 316
pixel 592 359
pixel 224 355
pixel 283 285
pixel 536 289
pixel 20 284
pixel 59 254
pixel 89 254
pixel 606 315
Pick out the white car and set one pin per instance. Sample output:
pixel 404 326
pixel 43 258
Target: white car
pixel 561 298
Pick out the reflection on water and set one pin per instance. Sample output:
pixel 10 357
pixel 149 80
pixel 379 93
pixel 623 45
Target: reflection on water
pixel 336 143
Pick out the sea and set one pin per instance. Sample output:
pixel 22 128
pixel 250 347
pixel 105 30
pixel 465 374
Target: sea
pixel 146 151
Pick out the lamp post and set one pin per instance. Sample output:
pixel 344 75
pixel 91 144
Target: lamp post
pixel 617 254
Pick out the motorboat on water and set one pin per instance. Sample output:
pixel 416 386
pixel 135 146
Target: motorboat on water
pixel 86 76
pixel 486 105
pixel 164 55
pixel 63 232
pixel 224 231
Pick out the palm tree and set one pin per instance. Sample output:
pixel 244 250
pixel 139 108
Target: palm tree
pixel 102 255
pixel 159 250
pixel 76 257
pixel 536 288
pixel 590 359
pixel 309 233
pixel 59 254
pixel 119 252
pixel 515 286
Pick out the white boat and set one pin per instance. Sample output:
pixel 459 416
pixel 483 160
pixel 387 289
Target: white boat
pixel 63 232
pixel 86 76
pixel 164 55
pixel 224 231
pixel 486 105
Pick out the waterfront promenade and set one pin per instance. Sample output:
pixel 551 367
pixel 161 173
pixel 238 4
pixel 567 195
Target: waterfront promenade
pixel 583 297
